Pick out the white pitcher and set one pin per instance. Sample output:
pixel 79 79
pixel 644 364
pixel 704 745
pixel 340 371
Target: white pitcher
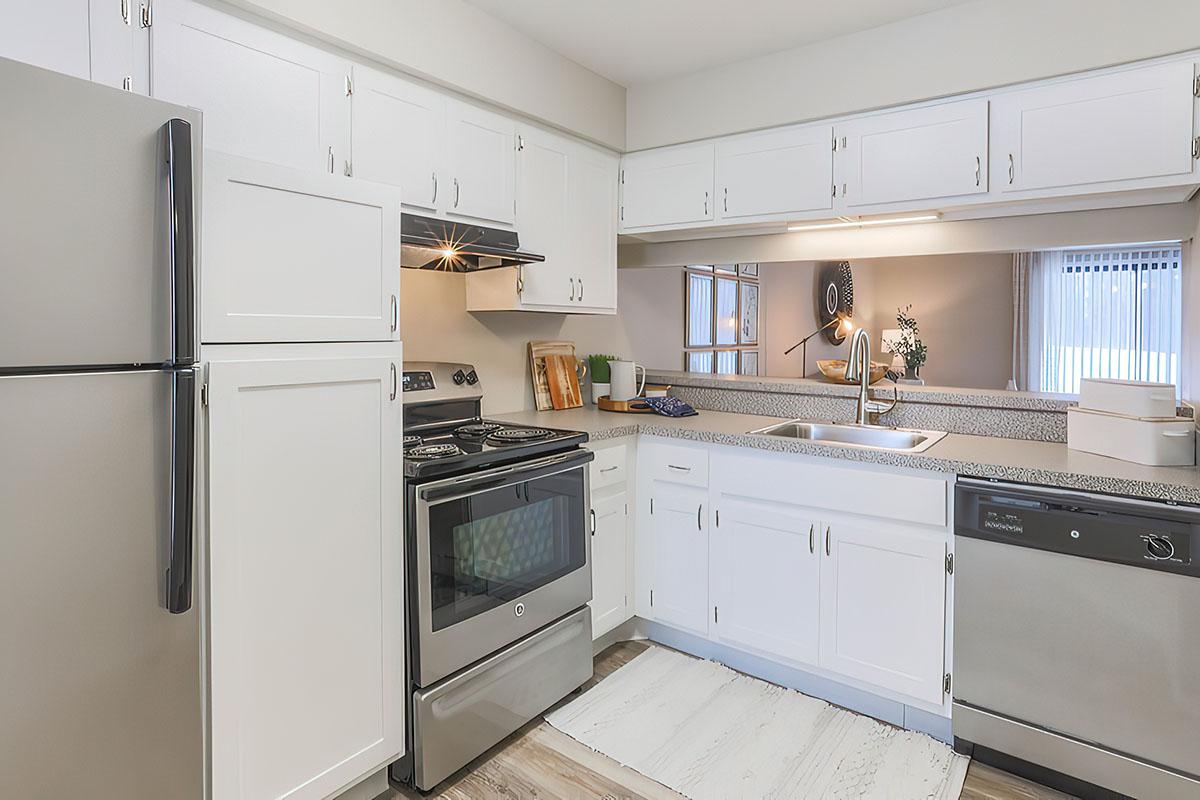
pixel 625 385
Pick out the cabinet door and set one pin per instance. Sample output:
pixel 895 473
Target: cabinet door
pixel 296 256
pixel 679 530
pixel 398 136
pixel 610 593
pixel 305 538
pixel 482 164
pixel 544 167
pixel 593 227
pixel 52 34
pixel 670 186
pixel 1124 126
pixel 767 579
pixel 775 172
pixel 920 154
pixel 883 607
pixel 264 95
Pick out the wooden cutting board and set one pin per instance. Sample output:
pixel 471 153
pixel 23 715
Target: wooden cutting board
pixel 563 382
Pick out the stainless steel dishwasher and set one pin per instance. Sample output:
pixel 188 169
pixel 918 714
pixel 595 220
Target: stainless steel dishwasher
pixel 1077 639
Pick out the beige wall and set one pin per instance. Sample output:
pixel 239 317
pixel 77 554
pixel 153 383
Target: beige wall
pixel 435 327
pixel 963 48
pixel 963 304
pixel 454 44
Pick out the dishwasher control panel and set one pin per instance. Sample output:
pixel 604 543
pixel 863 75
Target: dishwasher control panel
pixel 1135 533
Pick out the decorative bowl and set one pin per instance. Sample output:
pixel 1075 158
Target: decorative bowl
pixel 834 370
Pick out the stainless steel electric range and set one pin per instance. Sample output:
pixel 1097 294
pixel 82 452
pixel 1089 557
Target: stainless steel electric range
pixel 498 568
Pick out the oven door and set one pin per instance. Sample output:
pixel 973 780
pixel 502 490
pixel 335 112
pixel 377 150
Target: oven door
pixel 499 554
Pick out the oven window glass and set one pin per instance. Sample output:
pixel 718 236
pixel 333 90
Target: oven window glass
pixel 493 547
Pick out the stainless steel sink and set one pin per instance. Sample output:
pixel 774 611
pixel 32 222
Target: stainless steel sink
pixel 874 437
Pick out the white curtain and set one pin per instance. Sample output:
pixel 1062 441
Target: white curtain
pixel 1102 313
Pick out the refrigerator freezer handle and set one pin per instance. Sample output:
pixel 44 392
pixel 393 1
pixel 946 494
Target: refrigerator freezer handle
pixel 183 458
pixel 182 239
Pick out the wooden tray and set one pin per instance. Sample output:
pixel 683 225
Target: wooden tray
pixel 635 406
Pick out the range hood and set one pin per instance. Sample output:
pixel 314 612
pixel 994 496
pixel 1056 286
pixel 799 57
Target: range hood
pixel 429 243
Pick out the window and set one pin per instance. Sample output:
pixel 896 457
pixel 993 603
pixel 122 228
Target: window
pixel 1105 313
pixel 722 319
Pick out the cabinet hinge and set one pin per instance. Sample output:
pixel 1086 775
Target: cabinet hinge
pixel 1196 147
pixel 349 169
pixel 622 213
pixel 651 505
pixel 652 598
pixel 1196 86
pixel 125 11
pixel 946 684
pixel 714 614
pixel 835 190
pixel 520 142
pixel 718 516
pixel 622 177
pixel 835 144
pixel 127 83
pixel 949 563
pixel 204 394
pixel 147 15
pixel 349 86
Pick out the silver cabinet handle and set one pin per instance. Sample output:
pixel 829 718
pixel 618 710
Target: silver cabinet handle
pixel 1011 169
pixel 395 384
pixel 125 11
pixel 977 168
pixel 827 551
pixel 181 239
pixel 183 457
pixel 520 280
pixel 726 207
pixel 572 290
pixel 678 468
pixel 581 290
pixel 331 160
pixel 592 511
pixel 609 469
pixel 434 198
pixel 699 515
pixel 706 204
pixel 812 543
pixel 457 192
pixel 395 314
pixel 349 169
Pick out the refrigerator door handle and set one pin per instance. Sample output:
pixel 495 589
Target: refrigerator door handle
pixel 183 454
pixel 181 237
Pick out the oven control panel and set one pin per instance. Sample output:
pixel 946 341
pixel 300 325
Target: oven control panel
pixel 418 381
pixel 437 381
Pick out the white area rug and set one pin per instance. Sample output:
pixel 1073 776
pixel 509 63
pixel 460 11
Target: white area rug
pixel 711 733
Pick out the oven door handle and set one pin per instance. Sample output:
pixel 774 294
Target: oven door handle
pixel 457 488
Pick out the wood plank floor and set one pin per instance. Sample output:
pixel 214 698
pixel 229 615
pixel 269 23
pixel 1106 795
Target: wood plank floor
pixel 539 762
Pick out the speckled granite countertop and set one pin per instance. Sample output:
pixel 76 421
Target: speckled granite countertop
pixel 1046 463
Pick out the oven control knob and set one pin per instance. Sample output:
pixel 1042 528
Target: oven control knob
pixel 459 376
pixel 1159 547
pixel 519 610
pixel 472 378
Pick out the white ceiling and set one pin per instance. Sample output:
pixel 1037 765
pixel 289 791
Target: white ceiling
pixel 636 41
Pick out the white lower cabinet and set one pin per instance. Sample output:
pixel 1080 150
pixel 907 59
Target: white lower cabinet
pixel 679 544
pixel 883 607
pixel 305 533
pixel 610 592
pixel 766 579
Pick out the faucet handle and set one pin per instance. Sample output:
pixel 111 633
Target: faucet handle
pixel 877 408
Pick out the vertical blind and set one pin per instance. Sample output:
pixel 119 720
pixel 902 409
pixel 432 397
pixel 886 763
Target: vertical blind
pixel 1109 313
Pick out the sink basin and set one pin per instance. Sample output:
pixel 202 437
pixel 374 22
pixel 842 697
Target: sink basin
pixel 874 437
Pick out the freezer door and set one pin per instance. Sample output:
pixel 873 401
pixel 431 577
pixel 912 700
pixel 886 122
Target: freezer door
pixel 95 227
pixel 102 693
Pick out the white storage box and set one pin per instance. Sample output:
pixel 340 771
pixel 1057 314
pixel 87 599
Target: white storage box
pixel 1131 398
pixel 1158 442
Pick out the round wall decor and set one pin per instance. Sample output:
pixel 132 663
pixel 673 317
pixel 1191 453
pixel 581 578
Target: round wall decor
pixel 835 295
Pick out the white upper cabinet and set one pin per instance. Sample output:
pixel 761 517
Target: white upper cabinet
pixel 297 256
pixel 52 34
pixel 918 154
pixel 264 95
pixel 399 136
pixel 766 578
pixel 785 171
pixel 482 164
pixel 1092 133
pixel 543 216
pixel 668 186
pixel 592 228
pixel 305 514
pixel 883 607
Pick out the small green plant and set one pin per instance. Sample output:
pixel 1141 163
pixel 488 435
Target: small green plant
pixel 910 347
pixel 598 365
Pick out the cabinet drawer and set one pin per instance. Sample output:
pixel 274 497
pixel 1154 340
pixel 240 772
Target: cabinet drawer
pixel 685 465
pixel 609 469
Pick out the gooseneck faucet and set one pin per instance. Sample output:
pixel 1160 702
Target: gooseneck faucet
pixel 858 368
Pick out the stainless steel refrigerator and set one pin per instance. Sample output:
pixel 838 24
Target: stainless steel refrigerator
pixel 100 656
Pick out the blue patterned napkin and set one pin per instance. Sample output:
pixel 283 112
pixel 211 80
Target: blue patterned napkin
pixel 670 406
